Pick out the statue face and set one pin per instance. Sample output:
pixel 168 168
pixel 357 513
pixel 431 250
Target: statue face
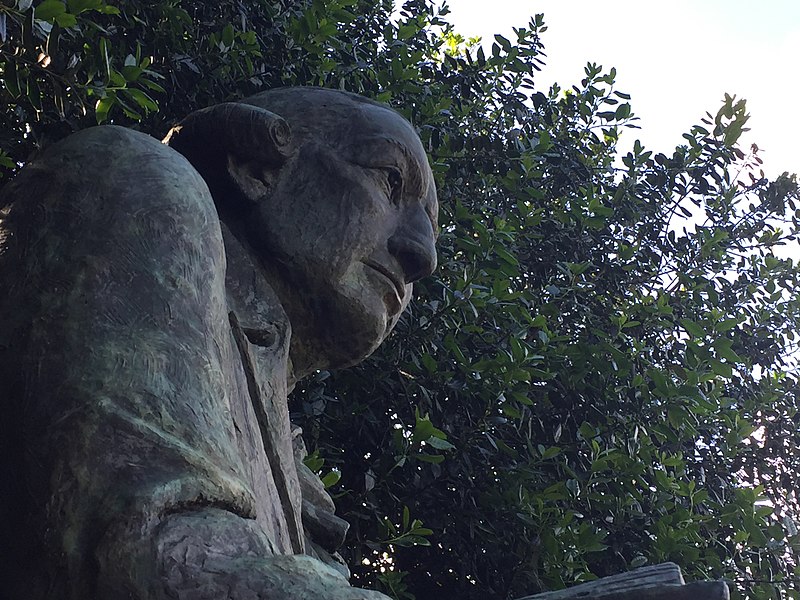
pixel 347 228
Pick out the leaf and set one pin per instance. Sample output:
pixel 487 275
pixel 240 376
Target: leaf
pixel 105 58
pixel 27 31
pixel 423 429
pixel 692 328
pixel 6 161
pixel 573 486
pixel 551 452
pixel 34 93
pixel 726 325
pixel 314 462
pixel 539 321
pixel 587 431
pixel 76 7
pixel 51 47
pixel 11 78
pixel 228 35
pixel 59 96
pixel 131 73
pixel 724 350
pixel 430 458
pixel 504 43
pixel 722 369
pixel 429 363
pixel 506 256
pixel 331 479
pixel 673 461
pixel 439 443
pixel 638 561
pixel 153 86
pixel 116 79
pixel 50 9
pixel 660 380
pixel 103 107
pixel 406 31
pixel 522 399
pixel 142 99
pixel 66 20
pixel 342 16
pixel 623 111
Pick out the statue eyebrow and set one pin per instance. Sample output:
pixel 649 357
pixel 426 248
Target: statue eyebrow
pixel 362 152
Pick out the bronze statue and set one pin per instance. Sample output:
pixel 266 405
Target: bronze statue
pixel 155 313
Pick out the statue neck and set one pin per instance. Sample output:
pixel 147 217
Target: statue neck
pixel 257 306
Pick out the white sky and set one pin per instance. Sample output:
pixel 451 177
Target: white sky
pixel 676 58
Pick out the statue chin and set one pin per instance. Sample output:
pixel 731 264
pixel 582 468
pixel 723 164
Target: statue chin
pixel 347 326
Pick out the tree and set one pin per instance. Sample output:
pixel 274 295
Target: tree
pixel 599 376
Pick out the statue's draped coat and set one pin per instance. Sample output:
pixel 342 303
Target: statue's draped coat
pixel 130 389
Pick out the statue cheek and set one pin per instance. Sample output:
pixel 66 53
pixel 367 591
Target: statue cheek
pixel 363 231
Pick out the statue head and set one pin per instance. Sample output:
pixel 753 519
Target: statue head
pixel 338 202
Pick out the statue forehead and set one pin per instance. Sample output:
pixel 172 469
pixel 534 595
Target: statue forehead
pixel 338 118
pixel 364 131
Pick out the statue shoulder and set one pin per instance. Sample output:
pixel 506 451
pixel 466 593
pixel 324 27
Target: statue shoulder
pixel 105 165
pixel 108 206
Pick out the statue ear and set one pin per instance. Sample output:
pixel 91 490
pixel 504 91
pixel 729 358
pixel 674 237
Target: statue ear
pixel 235 142
pixel 253 177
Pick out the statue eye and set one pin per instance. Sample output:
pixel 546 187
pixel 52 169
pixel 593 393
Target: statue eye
pixel 395 181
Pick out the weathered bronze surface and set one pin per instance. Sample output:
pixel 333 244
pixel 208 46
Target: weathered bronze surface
pixel 158 304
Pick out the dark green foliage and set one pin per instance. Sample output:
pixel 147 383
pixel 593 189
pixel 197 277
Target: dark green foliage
pixel 597 376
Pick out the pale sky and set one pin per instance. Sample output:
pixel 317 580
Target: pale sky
pixel 676 58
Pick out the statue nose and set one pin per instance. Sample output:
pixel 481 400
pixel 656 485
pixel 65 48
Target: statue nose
pixel 413 246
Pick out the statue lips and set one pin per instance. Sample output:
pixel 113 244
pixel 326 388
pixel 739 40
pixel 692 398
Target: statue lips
pixel 396 281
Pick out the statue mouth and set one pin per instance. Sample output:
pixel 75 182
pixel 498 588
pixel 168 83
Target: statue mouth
pixel 397 282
